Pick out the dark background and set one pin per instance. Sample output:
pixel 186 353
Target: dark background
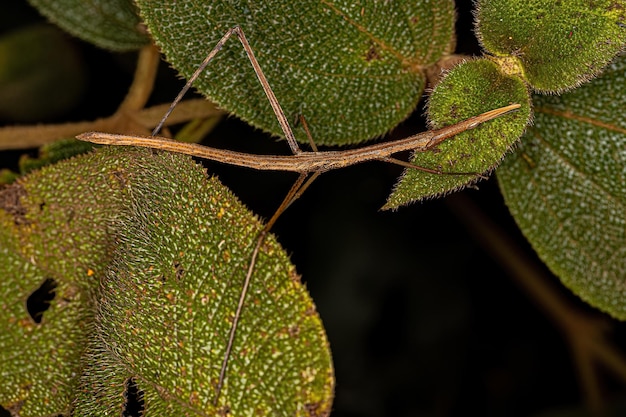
pixel 422 321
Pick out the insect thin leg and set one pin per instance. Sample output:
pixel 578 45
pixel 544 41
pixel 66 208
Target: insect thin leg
pixel 276 107
pixel 304 186
pixel 428 170
pixel 293 193
pixel 271 97
pixel 305 125
pixel 193 78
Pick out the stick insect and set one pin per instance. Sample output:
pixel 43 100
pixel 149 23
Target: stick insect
pixel 309 165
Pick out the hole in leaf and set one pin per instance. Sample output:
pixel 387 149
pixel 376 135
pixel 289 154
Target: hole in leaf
pixel 39 301
pixel 134 405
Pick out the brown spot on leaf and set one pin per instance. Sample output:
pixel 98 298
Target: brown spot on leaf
pixel 294 330
pixel 121 178
pixel 14 409
pixel 179 271
pixel 372 53
pixel 294 277
pixel 316 410
pixel 10 201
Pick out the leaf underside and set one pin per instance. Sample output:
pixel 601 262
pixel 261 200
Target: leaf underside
pixel 110 24
pixel 566 188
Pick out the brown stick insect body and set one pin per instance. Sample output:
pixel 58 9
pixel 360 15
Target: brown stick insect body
pixel 307 164
pixel 302 162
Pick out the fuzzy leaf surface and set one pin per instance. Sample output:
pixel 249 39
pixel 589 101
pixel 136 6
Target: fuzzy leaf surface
pixel 468 90
pixel 149 255
pixel 353 71
pixel 566 188
pixel 54 227
pixel 43 386
pixel 110 24
pixel 168 301
pixel 558 45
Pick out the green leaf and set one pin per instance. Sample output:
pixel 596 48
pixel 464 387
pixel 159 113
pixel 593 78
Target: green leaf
pixel 353 71
pixel 167 304
pixel 52 153
pixel 151 253
pixel 566 188
pixel 558 44
pixel 54 227
pixel 110 24
pixel 38 359
pixel 468 90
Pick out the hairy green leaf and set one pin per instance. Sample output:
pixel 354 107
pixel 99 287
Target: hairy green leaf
pixel 54 227
pixel 54 152
pixel 566 188
pixel 558 45
pixel 110 24
pixel 167 304
pixel 468 90
pixel 148 256
pixel 353 71
pixel 38 359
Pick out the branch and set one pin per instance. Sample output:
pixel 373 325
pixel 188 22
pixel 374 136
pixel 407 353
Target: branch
pixel 587 335
pixel 22 137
